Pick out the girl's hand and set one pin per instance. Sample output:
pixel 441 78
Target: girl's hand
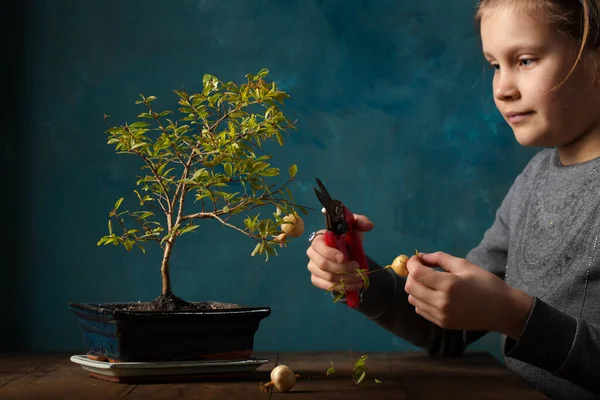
pixel 464 296
pixel 327 265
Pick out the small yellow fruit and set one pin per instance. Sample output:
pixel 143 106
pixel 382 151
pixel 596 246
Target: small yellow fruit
pixel 283 378
pixel 294 226
pixel 399 265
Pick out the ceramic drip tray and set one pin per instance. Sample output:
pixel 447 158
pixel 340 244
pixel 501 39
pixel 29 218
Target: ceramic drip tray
pixel 131 372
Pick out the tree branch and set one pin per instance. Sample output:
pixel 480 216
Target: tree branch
pixel 216 215
pixel 158 180
pixel 181 188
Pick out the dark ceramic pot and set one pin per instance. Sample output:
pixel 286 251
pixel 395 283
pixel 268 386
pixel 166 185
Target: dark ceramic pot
pixel 128 336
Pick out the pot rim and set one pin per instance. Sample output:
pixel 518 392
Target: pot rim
pixel 101 308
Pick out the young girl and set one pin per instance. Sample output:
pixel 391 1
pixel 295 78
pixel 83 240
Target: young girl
pixel 535 276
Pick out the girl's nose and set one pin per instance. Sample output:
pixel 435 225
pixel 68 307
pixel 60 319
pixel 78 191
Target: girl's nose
pixel 505 87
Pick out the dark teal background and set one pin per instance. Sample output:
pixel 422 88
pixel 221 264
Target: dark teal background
pixel 394 113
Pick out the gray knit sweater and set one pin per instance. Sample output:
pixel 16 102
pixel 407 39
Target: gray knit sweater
pixel 544 242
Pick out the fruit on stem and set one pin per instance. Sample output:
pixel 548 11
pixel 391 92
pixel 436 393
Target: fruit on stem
pixel 282 377
pixel 399 265
pixel 293 225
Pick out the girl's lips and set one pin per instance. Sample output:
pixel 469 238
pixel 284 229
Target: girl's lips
pixel 518 117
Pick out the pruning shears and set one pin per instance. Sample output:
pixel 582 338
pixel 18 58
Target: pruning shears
pixel 342 234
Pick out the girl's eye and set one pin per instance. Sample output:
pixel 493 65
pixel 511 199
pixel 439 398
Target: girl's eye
pixel 496 66
pixel 526 62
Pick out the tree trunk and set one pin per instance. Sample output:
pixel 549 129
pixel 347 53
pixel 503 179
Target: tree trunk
pixel 164 269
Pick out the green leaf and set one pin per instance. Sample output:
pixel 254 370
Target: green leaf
pixel 139 124
pixel 228 169
pixel 188 228
pixel 293 171
pixel 269 172
pixel 263 72
pixel 110 229
pixel 150 98
pixel 377 381
pixel 279 138
pixel 256 249
pixel 115 130
pixel 118 203
pixel 207 78
pixel 138 145
pixel 128 244
pixel 360 363
pixel 330 370
pixel 139 197
pixel 182 94
pixel 199 173
pixel 362 377
pixel 225 209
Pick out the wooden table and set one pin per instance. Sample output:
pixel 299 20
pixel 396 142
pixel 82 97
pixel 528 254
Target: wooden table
pixel 404 375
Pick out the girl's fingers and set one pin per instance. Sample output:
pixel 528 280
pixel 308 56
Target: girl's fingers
pixel 326 264
pixel 439 259
pixel 326 276
pixel 417 289
pixel 335 286
pixel 423 306
pixel 319 246
pixel 320 282
pixel 428 316
pixel 363 223
pixel 427 276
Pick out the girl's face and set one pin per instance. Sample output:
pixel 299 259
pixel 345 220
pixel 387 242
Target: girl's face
pixel 529 59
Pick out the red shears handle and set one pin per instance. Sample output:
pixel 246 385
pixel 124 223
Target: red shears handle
pixel 351 247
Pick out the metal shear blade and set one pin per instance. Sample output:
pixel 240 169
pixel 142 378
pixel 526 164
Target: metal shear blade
pixel 323 196
pixel 334 210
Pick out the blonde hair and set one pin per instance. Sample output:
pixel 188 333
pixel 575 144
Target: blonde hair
pixel 578 19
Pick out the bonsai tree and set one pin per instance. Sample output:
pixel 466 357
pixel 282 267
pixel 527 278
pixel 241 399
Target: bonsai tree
pixel 209 159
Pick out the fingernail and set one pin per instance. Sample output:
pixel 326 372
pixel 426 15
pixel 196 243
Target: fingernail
pixel 339 258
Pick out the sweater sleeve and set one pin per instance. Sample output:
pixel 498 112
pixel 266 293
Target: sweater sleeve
pixel 574 344
pixel 386 303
